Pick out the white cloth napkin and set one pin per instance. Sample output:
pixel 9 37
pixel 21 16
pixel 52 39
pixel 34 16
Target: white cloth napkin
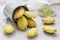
pixel 35 4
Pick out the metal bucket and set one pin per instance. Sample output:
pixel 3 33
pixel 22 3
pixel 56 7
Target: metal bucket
pixel 10 8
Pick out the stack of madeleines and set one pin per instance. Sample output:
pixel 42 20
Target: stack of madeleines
pixel 24 20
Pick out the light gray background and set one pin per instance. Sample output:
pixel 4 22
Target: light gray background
pixel 19 35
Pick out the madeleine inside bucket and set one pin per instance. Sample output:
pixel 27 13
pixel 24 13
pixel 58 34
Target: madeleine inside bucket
pixel 18 12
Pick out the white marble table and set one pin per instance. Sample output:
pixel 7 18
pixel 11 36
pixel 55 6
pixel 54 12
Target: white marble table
pixel 19 35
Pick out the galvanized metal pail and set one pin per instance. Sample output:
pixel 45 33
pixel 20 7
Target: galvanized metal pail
pixel 10 8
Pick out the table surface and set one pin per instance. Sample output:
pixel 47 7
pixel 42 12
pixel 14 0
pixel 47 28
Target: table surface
pixel 19 35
